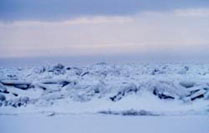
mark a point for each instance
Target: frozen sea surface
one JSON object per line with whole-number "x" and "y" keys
{"x": 105, "y": 98}
{"x": 103, "y": 124}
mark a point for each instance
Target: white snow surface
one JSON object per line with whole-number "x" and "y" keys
{"x": 103, "y": 124}
{"x": 162, "y": 89}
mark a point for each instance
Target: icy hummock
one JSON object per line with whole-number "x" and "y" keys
{"x": 130, "y": 89}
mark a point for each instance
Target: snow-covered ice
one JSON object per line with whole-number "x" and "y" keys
{"x": 105, "y": 98}
{"x": 159, "y": 89}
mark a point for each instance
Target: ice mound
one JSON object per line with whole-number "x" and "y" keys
{"x": 105, "y": 86}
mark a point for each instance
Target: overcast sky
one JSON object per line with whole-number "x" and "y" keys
{"x": 36, "y": 28}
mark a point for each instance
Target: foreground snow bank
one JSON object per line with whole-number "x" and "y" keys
{"x": 156, "y": 89}
{"x": 103, "y": 124}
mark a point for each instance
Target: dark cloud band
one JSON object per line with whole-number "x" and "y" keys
{"x": 64, "y": 9}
